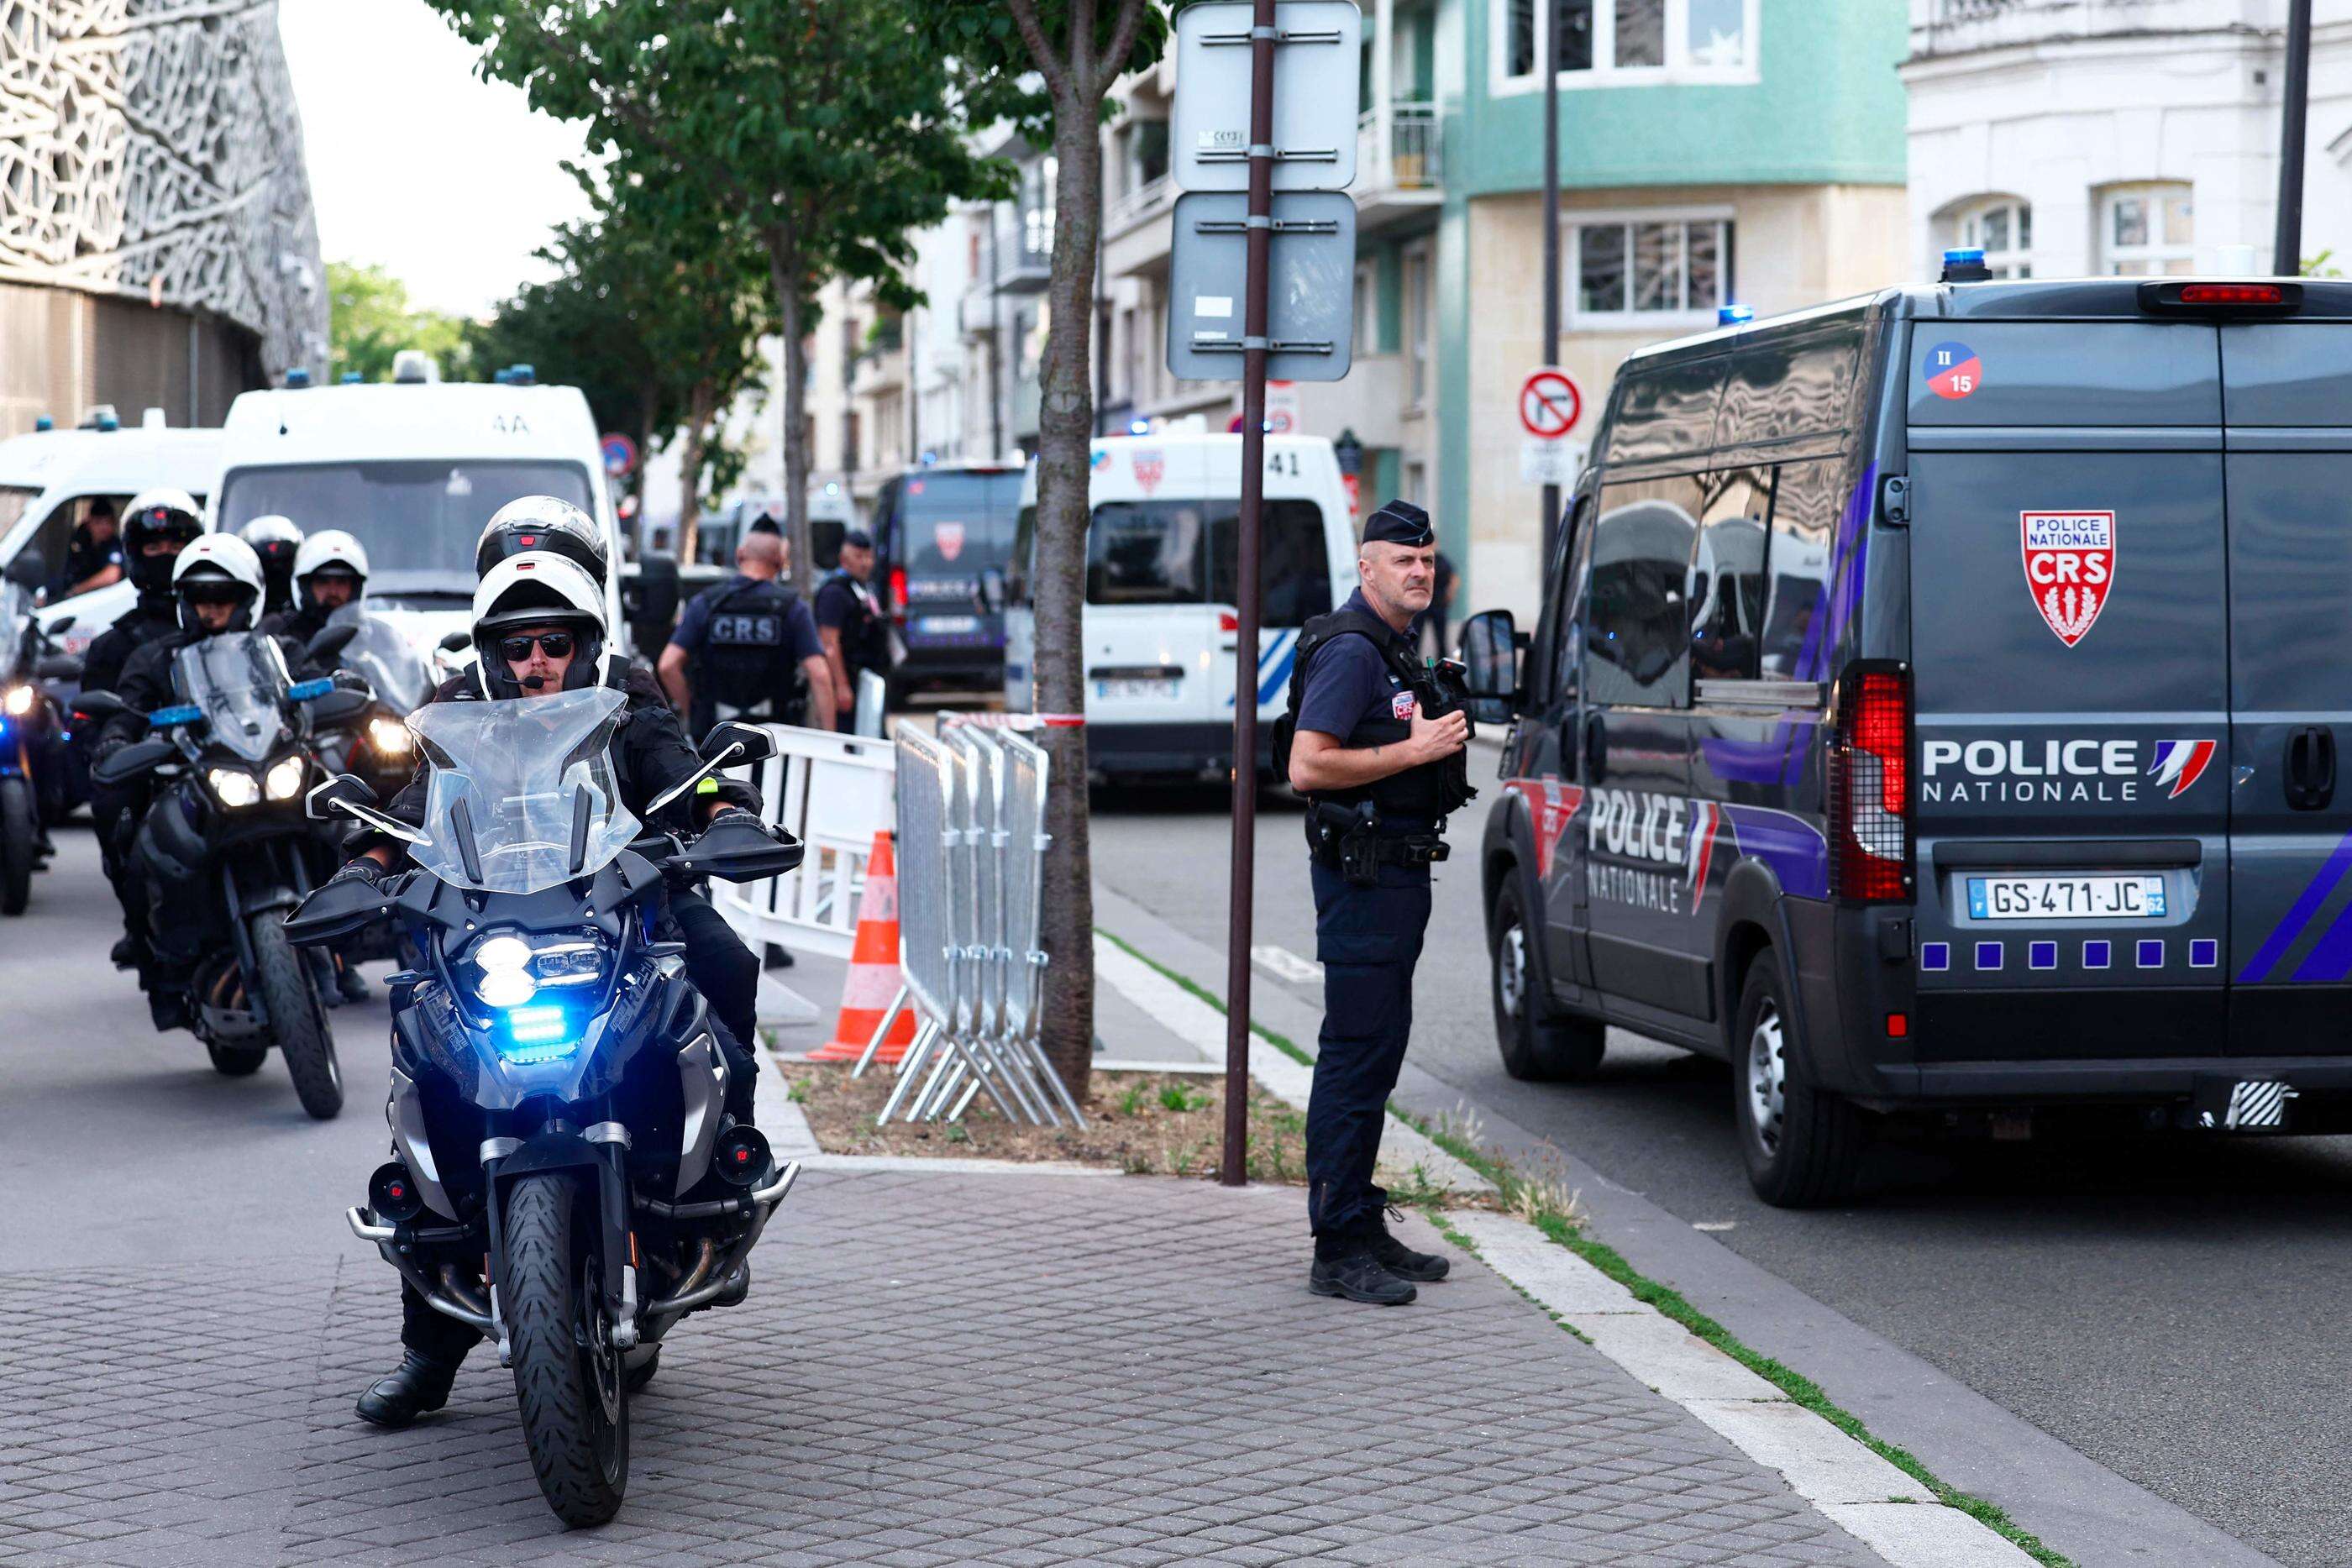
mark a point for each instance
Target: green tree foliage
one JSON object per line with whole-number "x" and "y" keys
{"x": 370, "y": 320}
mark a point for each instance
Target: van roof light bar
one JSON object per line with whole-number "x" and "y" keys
{"x": 1965, "y": 263}
{"x": 2207, "y": 298}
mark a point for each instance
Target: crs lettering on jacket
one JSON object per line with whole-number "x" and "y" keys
{"x": 738, "y": 629}
{"x": 2058, "y": 771}
{"x": 1647, "y": 849}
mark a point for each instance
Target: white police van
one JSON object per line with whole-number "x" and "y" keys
{"x": 412, "y": 469}
{"x": 1162, "y": 616}
{"x": 47, "y": 480}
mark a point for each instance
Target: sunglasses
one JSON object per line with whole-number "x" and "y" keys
{"x": 515, "y": 649}
{"x": 215, "y": 593}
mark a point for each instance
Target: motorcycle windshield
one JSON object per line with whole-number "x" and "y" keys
{"x": 238, "y": 678}
{"x": 388, "y": 659}
{"x": 521, "y": 795}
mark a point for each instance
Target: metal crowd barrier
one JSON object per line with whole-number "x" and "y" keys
{"x": 834, "y": 793}
{"x": 970, "y": 846}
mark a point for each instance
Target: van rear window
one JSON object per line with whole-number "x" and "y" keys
{"x": 2065, "y": 373}
{"x": 1184, "y": 552}
{"x": 952, "y": 524}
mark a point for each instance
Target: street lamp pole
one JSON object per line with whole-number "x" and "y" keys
{"x": 1549, "y": 17}
{"x": 2293, "y": 115}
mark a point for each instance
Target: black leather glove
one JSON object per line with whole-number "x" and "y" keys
{"x": 351, "y": 681}
{"x": 361, "y": 868}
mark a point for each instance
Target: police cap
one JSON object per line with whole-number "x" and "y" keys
{"x": 1400, "y": 523}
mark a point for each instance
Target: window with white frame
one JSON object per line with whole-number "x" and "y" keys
{"x": 2002, "y": 227}
{"x": 2146, "y": 229}
{"x": 1368, "y": 310}
{"x": 1417, "y": 309}
{"x": 1648, "y": 271}
{"x": 1624, "y": 41}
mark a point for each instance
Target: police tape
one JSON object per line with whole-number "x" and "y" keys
{"x": 952, "y": 720}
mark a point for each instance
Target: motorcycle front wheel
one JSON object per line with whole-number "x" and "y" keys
{"x": 568, "y": 1372}
{"x": 20, "y": 843}
{"x": 290, "y": 998}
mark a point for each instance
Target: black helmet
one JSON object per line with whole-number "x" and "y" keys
{"x": 276, "y": 541}
{"x": 543, "y": 523}
{"x": 157, "y": 515}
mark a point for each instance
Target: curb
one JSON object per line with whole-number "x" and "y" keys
{"x": 1865, "y": 1496}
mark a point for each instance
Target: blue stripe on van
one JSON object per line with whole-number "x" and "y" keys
{"x": 1274, "y": 660}
{"x": 2298, "y": 916}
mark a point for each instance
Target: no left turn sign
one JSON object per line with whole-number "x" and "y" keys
{"x": 1549, "y": 404}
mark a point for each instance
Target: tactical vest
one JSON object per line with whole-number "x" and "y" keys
{"x": 742, "y": 668}
{"x": 864, "y": 646}
{"x": 1430, "y": 791}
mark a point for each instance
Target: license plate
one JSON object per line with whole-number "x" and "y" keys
{"x": 945, "y": 624}
{"x": 2139, "y": 897}
{"x": 1136, "y": 689}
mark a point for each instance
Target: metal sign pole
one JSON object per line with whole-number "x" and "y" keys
{"x": 2293, "y": 115}
{"x": 1548, "y": 525}
{"x": 1231, "y": 1171}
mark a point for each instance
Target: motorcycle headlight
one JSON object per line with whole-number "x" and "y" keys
{"x": 284, "y": 779}
{"x": 510, "y": 970}
{"x": 233, "y": 786}
{"x": 389, "y": 736}
{"x": 18, "y": 702}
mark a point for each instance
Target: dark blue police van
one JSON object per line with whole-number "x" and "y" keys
{"x": 1935, "y": 713}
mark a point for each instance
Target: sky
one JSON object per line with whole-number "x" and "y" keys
{"x": 448, "y": 182}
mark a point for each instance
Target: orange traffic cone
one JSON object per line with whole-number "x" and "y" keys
{"x": 873, "y": 980}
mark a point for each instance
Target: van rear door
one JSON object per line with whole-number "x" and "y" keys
{"x": 1299, "y": 520}
{"x": 2070, "y": 650}
{"x": 1148, "y": 627}
{"x": 2289, "y": 467}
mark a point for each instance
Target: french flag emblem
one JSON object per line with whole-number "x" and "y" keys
{"x": 2181, "y": 763}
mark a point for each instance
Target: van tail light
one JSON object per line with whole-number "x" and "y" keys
{"x": 2212, "y": 299}
{"x": 898, "y": 594}
{"x": 1869, "y": 809}
{"x": 1228, "y": 623}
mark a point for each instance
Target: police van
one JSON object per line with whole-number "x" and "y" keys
{"x": 414, "y": 468}
{"x": 1935, "y": 713}
{"x": 1162, "y": 622}
{"x": 48, "y": 479}
{"x": 940, "y": 530}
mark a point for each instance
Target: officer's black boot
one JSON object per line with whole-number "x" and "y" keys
{"x": 418, "y": 1384}
{"x": 353, "y": 984}
{"x": 1401, "y": 1260}
{"x": 127, "y": 954}
{"x": 1347, "y": 1266}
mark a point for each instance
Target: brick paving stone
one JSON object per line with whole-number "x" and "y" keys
{"x": 932, "y": 1370}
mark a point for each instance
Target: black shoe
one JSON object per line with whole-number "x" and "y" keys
{"x": 1401, "y": 1261}
{"x": 168, "y": 1007}
{"x": 127, "y": 954}
{"x": 776, "y": 957}
{"x": 417, "y": 1386}
{"x": 1359, "y": 1276}
{"x": 353, "y": 984}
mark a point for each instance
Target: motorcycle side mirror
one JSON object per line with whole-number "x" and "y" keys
{"x": 61, "y": 626}
{"x": 99, "y": 704}
{"x": 751, "y": 743}
{"x": 457, "y": 642}
{"x": 1490, "y": 656}
{"x": 329, "y": 643}
{"x": 28, "y": 570}
{"x": 58, "y": 667}
{"x": 324, "y": 801}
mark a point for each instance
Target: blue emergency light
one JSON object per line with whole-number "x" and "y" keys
{"x": 1965, "y": 263}
{"x": 1733, "y": 315}
{"x": 296, "y": 378}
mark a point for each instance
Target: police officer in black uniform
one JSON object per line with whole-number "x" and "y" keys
{"x": 161, "y": 523}
{"x": 276, "y": 539}
{"x": 741, "y": 647}
{"x": 93, "y": 551}
{"x": 1375, "y": 739}
{"x": 857, "y": 637}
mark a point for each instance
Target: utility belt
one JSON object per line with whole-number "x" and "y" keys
{"x": 1349, "y": 840}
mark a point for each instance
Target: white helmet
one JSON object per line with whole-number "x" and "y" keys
{"x": 214, "y": 563}
{"x": 330, "y": 549}
{"x": 537, "y": 589}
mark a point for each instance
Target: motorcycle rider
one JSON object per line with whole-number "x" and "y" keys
{"x": 539, "y": 627}
{"x": 330, "y": 570}
{"x": 276, "y": 540}
{"x": 158, "y": 526}
{"x": 217, "y": 583}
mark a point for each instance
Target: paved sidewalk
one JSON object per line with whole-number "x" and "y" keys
{"x": 931, "y": 1369}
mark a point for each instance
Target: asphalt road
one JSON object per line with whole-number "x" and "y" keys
{"x": 2172, "y": 1309}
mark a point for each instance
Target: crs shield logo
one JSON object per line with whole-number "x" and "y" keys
{"x": 1150, "y": 467}
{"x": 2070, "y": 568}
{"x": 948, "y": 537}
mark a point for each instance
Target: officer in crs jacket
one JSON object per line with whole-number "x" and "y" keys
{"x": 741, "y": 647}
{"x": 1377, "y": 748}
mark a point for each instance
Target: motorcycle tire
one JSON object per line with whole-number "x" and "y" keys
{"x": 291, "y": 999}
{"x": 20, "y": 844}
{"x": 568, "y": 1373}
{"x": 236, "y": 1061}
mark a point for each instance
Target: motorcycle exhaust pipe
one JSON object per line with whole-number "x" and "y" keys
{"x": 392, "y": 1192}
{"x": 741, "y": 1156}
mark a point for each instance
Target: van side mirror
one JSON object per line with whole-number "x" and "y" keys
{"x": 28, "y": 570}
{"x": 1490, "y": 655}
{"x": 992, "y": 590}
{"x": 754, "y": 743}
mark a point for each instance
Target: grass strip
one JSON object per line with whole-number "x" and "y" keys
{"x": 1564, "y": 1230}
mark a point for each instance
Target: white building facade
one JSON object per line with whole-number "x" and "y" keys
{"x": 2077, "y": 138}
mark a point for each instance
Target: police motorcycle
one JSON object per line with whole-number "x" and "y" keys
{"x": 557, "y": 1103}
{"x": 232, "y": 759}
{"x": 35, "y": 788}
{"x": 377, "y": 744}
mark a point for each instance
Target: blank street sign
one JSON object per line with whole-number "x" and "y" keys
{"x": 1310, "y": 289}
{"x": 1315, "y": 82}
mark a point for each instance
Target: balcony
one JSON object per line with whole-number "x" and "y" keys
{"x": 1944, "y": 27}
{"x": 1133, "y": 207}
{"x": 1024, "y": 253}
{"x": 1398, "y": 174}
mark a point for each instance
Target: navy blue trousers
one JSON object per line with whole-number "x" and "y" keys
{"x": 1368, "y": 940}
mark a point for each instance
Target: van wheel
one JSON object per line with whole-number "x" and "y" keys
{"x": 1801, "y": 1144}
{"x": 1538, "y": 1044}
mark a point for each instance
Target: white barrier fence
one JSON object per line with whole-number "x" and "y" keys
{"x": 834, "y": 792}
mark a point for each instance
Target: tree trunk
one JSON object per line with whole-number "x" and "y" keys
{"x": 702, "y": 404}
{"x": 1065, "y": 432}
{"x": 785, "y": 275}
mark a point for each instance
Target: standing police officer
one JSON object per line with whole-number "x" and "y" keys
{"x": 1377, "y": 748}
{"x": 739, "y": 645}
{"x": 857, "y": 638}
